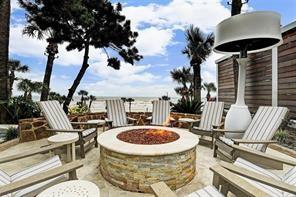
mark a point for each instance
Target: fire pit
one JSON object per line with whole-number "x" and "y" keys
{"x": 148, "y": 136}
{"x": 133, "y": 158}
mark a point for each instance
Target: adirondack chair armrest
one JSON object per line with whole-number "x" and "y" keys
{"x": 85, "y": 123}
{"x": 218, "y": 126}
{"x": 259, "y": 177}
{"x": 131, "y": 119}
{"x": 149, "y": 118}
{"x": 42, "y": 149}
{"x": 172, "y": 119}
{"x": 40, "y": 177}
{"x": 222, "y": 131}
{"x": 244, "y": 150}
{"x": 161, "y": 189}
{"x": 66, "y": 130}
{"x": 245, "y": 141}
{"x": 108, "y": 120}
{"x": 224, "y": 177}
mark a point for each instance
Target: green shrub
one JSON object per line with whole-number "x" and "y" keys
{"x": 11, "y": 133}
{"x": 21, "y": 108}
{"x": 281, "y": 135}
{"x": 187, "y": 106}
{"x": 78, "y": 109}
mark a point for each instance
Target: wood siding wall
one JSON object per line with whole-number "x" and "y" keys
{"x": 259, "y": 77}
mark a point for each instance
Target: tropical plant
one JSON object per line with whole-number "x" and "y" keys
{"x": 199, "y": 47}
{"x": 123, "y": 99}
{"x": 209, "y": 87}
{"x": 78, "y": 109}
{"x": 4, "y": 43}
{"x": 11, "y": 133}
{"x": 37, "y": 30}
{"x": 20, "y": 108}
{"x": 91, "y": 99}
{"x": 56, "y": 96}
{"x": 85, "y": 24}
{"x": 281, "y": 135}
{"x": 13, "y": 67}
{"x": 187, "y": 106}
{"x": 29, "y": 87}
{"x": 130, "y": 100}
{"x": 183, "y": 77}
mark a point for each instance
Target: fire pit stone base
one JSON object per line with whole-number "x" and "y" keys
{"x": 137, "y": 173}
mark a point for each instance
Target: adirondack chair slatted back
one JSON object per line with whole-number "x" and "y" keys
{"x": 116, "y": 112}
{"x": 264, "y": 125}
{"x": 55, "y": 115}
{"x": 160, "y": 112}
{"x": 211, "y": 115}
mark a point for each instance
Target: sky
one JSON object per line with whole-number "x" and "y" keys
{"x": 161, "y": 26}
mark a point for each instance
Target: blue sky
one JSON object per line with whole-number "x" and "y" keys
{"x": 161, "y": 26}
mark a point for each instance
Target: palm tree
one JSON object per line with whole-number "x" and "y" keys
{"x": 33, "y": 30}
{"x": 199, "y": 47}
{"x": 130, "y": 100}
{"x": 184, "y": 77}
{"x": 56, "y": 96}
{"x": 84, "y": 98}
{"x": 91, "y": 99}
{"x": 165, "y": 98}
{"x": 29, "y": 87}
{"x": 14, "y": 66}
{"x": 209, "y": 87}
{"x": 24, "y": 86}
{"x": 4, "y": 43}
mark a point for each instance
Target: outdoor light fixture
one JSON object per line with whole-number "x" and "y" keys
{"x": 242, "y": 34}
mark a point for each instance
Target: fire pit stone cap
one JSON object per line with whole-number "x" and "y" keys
{"x": 110, "y": 141}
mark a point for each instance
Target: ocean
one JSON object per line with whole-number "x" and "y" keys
{"x": 141, "y": 104}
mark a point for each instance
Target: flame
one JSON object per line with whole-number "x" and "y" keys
{"x": 158, "y": 132}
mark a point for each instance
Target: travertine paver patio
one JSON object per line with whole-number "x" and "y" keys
{"x": 90, "y": 170}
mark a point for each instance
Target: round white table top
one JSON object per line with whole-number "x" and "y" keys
{"x": 187, "y": 120}
{"x": 76, "y": 188}
{"x": 99, "y": 122}
{"x": 63, "y": 138}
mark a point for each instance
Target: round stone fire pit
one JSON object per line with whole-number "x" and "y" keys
{"x": 133, "y": 158}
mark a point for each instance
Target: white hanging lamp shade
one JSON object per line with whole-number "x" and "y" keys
{"x": 259, "y": 30}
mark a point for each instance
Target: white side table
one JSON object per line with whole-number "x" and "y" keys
{"x": 74, "y": 188}
{"x": 68, "y": 139}
{"x": 99, "y": 123}
{"x": 190, "y": 121}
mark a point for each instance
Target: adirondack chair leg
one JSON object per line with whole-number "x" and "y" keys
{"x": 96, "y": 141}
{"x": 215, "y": 149}
{"x": 81, "y": 143}
{"x": 73, "y": 175}
{"x": 212, "y": 145}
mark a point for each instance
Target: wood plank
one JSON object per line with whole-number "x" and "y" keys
{"x": 40, "y": 177}
{"x": 161, "y": 189}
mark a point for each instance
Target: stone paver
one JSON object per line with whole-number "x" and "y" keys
{"x": 90, "y": 170}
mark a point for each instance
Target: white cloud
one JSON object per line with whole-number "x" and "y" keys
{"x": 153, "y": 41}
{"x": 178, "y": 14}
